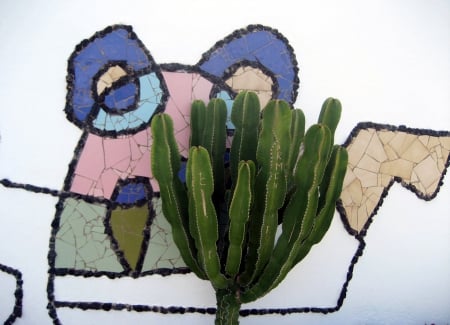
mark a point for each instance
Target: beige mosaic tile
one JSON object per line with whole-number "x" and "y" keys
{"x": 250, "y": 78}
{"x": 379, "y": 156}
{"x": 106, "y": 80}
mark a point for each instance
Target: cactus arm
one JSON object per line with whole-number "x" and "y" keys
{"x": 214, "y": 140}
{"x": 270, "y": 186}
{"x": 275, "y": 126}
{"x": 309, "y": 173}
{"x": 332, "y": 182}
{"x": 330, "y": 114}
{"x": 245, "y": 117}
{"x": 296, "y": 139}
{"x": 317, "y": 171}
{"x": 198, "y": 112}
{"x": 299, "y": 213}
{"x": 165, "y": 167}
{"x": 202, "y": 214}
{"x": 239, "y": 215}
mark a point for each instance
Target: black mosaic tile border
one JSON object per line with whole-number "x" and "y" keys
{"x": 54, "y": 304}
{"x": 18, "y": 293}
{"x": 211, "y": 310}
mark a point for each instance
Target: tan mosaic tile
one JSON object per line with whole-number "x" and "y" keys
{"x": 250, "y": 78}
{"x": 356, "y": 151}
{"x": 106, "y": 80}
{"x": 378, "y": 157}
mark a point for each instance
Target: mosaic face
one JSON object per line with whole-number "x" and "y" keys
{"x": 108, "y": 219}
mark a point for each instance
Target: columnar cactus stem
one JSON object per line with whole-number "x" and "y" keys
{"x": 240, "y": 208}
{"x": 228, "y": 306}
{"x": 224, "y": 223}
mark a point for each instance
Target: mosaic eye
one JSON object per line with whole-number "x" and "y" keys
{"x": 116, "y": 91}
{"x": 114, "y": 86}
{"x": 121, "y": 99}
{"x": 107, "y": 79}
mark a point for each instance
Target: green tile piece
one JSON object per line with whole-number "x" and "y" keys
{"x": 128, "y": 225}
{"x": 81, "y": 242}
{"x": 162, "y": 251}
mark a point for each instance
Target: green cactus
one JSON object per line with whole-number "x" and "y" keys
{"x": 225, "y": 221}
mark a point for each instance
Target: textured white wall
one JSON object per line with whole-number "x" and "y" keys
{"x": 387, "y": 61}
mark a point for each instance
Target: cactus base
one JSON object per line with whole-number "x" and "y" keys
{"x": 228, "y": 306}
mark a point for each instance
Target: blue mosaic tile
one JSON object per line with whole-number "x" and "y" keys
{"x": 131, "y": 193}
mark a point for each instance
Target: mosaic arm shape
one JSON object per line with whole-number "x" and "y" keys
{"x": 254, "y": 262}
{"x": 379, "y": 156}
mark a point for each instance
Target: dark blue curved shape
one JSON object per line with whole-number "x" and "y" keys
{"x": 260, "y": 46}
{"x": 131, "y": 193}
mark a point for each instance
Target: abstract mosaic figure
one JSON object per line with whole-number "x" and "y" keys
{"x": 111, "y": 223}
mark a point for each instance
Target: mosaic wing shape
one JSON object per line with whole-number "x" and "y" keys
{"x": 379, "y": 156}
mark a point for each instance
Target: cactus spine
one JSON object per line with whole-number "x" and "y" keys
{"x": 224, "y": 223}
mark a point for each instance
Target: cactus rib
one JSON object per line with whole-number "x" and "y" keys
{"x": 239, "y": 215}
{"x": 245, "y": 117}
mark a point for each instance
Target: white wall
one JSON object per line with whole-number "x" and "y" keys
{"x": 387, "y": 61}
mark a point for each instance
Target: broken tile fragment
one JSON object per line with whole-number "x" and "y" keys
{"x": 128, "y": 227}
{"x": 252, "y": 79}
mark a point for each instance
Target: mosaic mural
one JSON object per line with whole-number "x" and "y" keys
{"x": 108, "y": 219}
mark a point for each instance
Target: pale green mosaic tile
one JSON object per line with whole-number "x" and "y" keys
{"x": 81, "y": 242}
{"x": 162, "y": 251}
